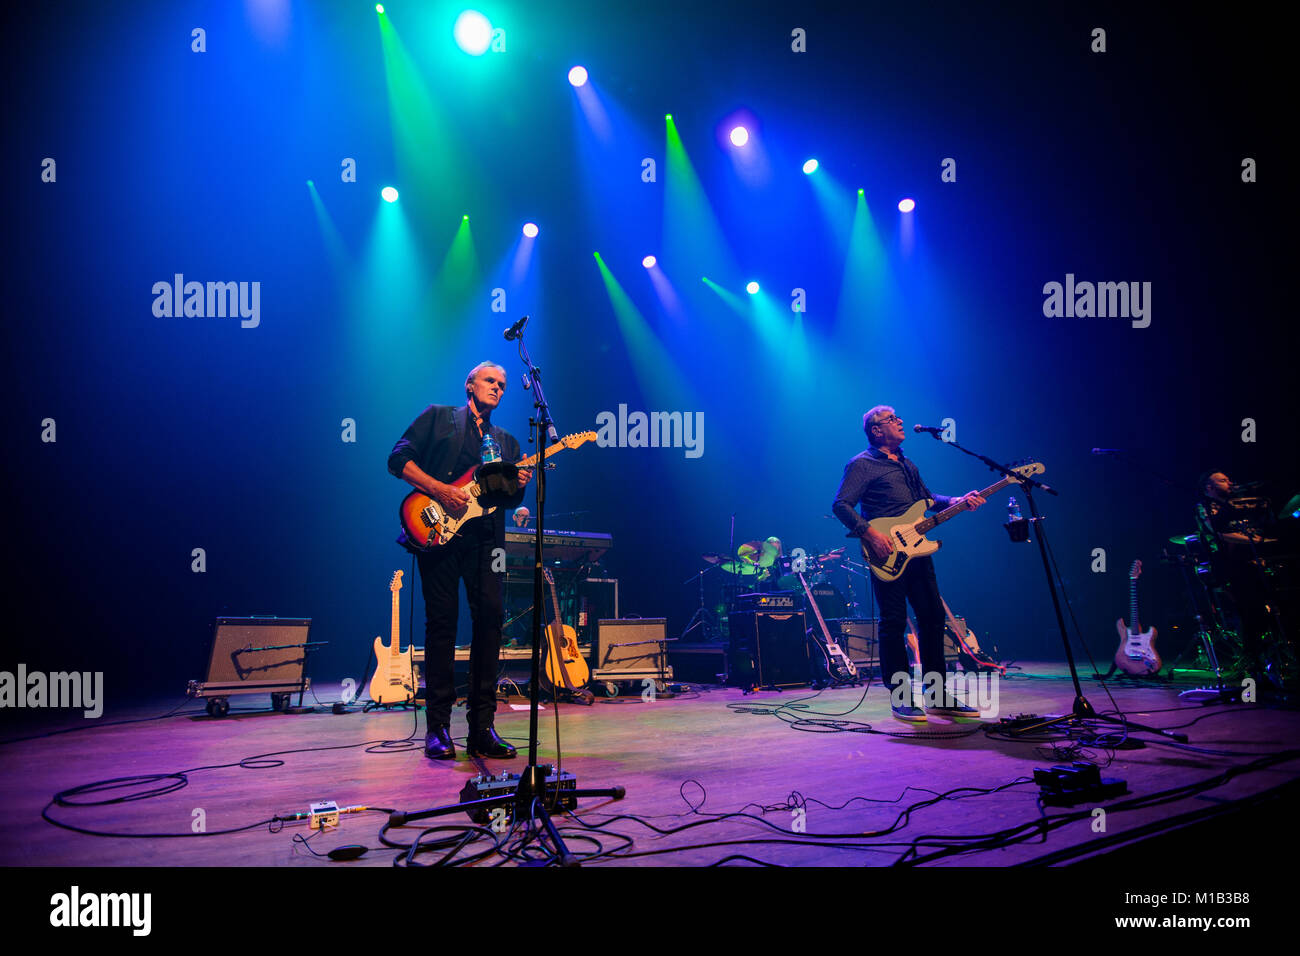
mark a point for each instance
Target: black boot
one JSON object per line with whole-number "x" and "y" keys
{"x": 486, "y": 743}
{"x": 438, "y": 745}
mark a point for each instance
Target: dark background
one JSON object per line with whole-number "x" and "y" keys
{"x": 177, "y": 433}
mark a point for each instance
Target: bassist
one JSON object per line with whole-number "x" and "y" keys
{"x": 883, "y": 482}
{"x": 440, "y": 445}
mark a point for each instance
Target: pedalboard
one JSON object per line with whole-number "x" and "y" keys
{"x": 558, "y": 789}
{"x": 1067, "y": 784}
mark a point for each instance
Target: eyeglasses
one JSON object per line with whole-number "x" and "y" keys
{"x": 888, "y": 421}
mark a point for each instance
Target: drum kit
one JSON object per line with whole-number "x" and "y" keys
{"x": 761, "y": 569}
{"x": 1207, "y": 587}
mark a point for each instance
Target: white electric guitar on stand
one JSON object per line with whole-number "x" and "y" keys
{"x": 394, "y": 680}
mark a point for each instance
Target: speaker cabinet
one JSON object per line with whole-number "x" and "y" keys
{"x": 768, "y": 649}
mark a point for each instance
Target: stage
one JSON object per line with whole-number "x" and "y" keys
{"x": 795, "y": 778}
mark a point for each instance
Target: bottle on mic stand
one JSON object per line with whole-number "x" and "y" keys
{"x": 1017, "y": 527}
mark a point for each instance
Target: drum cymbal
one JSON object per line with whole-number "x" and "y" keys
{"x": 1180, "y": 540}
{"x": 738, "y": 567}
{"x": 712, "y": 557}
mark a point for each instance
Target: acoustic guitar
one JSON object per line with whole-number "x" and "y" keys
{"x": 565, "y": 667}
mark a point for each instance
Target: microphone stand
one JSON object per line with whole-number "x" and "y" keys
{"x": 529, "y": 798}
{"x": 1082, "y": 709}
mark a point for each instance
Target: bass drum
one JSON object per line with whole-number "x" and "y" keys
{"x": 829, "y": 601}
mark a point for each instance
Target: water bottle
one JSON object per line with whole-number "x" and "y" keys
{"x": 1013, "y": 510}
{"x": 491, "y": 450}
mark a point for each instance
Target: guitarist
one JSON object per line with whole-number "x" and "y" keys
{"x": 884, "y": 482}
{"x": 441, "y": 445}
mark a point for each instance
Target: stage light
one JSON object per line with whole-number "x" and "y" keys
{"x": 465, "y": 218}
{"x": 578, "y": 75}
{"x": 473, "y": 32}
{"x": 389, "y": 194}
{"x": 810, "y": 167}
{"x": 907, "y": 205}
{"x": 668, "y": 116}
{"x": 379, "y": 8}
{"x": 530, "y": 230}
{"x": 649, "y": 262}
{"x": 862, "y": 192}
{"x": 310, "y": 183}
{"x": 752, "y": 288}
{"x": 739, "y": 136}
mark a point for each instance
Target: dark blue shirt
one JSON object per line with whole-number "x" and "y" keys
{"x": 882, "y": 487}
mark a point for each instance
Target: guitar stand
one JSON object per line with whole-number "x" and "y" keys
{"x": 534, "y": 794}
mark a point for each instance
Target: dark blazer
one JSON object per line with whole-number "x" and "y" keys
{"x": 434, "y": 440}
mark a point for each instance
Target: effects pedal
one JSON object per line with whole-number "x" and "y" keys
{"x": 558, "y": 791}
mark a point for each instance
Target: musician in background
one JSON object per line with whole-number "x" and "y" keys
{"x": 521, "y": 517}
{"x": 764, "y": 557}
{"x": 883, "y": 482}
{"x": 1233, "y": 559}
{"x": 441, "y": 445}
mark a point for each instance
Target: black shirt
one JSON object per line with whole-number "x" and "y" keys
{"x": 882, "y": 487}
{"x": 445, "y": 443}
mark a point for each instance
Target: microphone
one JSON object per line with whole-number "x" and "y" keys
{"x": 927, "y": 428}
{"x": 1105, "y": 451}
{"x": 513, "y": 332}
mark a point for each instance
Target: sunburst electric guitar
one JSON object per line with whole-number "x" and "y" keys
{"x": 1137, "y": 648}
{"x": 394, "y": 680}
{"x": 428, "y": 525}
{"x": 906, "y": 532}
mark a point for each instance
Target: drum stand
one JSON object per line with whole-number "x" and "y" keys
{"x": 703, "y": 617}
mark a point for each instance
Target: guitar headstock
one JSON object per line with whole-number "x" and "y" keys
{"x": 396, "y": 583}
{"x": 577, "y": 438}
{"x": 1027, "y": 469}
{"x": 1135, "y": 571}
{"x": 546, "y": 572}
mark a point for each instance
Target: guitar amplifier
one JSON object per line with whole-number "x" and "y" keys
{"x": 858, "y": 639}
{"x": 769, "y": 649}
{"x": 773, "y": 600}
{"x": 255, "y": 655}
{"x": 631, "y": 648}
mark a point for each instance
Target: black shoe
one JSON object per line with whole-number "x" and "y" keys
{"x": 438, "y": 745}
{"x": 486, "y": 743}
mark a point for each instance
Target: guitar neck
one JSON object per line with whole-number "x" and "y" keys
{"x": 531, "y": 460}
{"x": 1133, "y": 626}
{"x": 395, "y": 630}
{"x": 955, "y": 510}
{"x": 817, "y": 611}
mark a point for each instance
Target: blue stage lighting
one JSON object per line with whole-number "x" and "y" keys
{"x": 578, "y": 75}
{"x": 389, "y": 194}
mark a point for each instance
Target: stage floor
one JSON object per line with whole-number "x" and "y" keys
{"x": 833, "y": 790}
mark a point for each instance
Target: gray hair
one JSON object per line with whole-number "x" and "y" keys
{"x": 873, "y": 418}
{"x": 473, "y": 373}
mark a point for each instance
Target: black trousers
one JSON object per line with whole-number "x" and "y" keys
{"x": 466, "y": 558}
{"x": 919, "y": 586}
